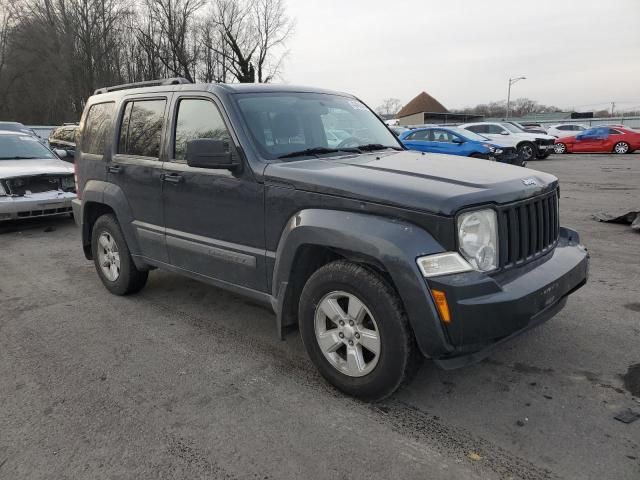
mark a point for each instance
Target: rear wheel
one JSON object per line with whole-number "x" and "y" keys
{"x": 112, "y": 258}
{"x": 560, "y": 148}
{"x": 355, "y": 331}
{"x": 621, "y": 147}
{"x": 527, "y": 151}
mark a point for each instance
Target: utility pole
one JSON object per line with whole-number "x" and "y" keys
{"x": 511, "y": 82}
{"x": 613, "y": 105}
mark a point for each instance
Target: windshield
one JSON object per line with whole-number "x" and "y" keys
{"x": 468, "y": 134}
{"x": 290, "y": 124}
{"x": 17, "y": 147}
{"x": 512, "y": 128}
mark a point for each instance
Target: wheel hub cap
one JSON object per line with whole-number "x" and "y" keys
{"x": 347, "y": 334}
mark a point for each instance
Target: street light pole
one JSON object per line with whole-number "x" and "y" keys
{"x": 511, "y": 82}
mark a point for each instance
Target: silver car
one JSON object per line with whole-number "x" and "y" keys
{"x": 34, "y": 182}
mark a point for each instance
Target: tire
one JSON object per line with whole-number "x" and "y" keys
{"x": 621, "y": 148}
{"x": 527, "y": 151}
{"x": 120, "y": 277}
{"x": 376, "y": 375}
{"x": 560, "y": 148}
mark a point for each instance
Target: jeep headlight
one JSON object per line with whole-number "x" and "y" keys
{"x": 478, "y": 238}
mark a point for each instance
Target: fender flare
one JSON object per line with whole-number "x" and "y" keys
{"x": 392, "y": 243}
{"x": 112, "y": 196}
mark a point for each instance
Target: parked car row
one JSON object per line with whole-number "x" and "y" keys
{"x": 501, "y": 141}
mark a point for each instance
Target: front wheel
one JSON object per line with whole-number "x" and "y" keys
{"x": 560, "y": 148}
{"x": 355, "y": 331}
{"x": 621, "y": 147}
{"x": 112, "y": 258}
{"x": 527, "y": 151}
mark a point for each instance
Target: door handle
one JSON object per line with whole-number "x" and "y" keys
{"x": 114, "y": 168}
{"x": 172, "y": 177}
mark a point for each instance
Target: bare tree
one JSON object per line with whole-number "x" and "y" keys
{"x": 272, "y": 28}
{"x": 390, "y": 106}
{"x": 172, "y": 23}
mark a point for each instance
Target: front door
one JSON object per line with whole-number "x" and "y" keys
{"x": 214, "y": 218}
{"x": 136, "y": 169}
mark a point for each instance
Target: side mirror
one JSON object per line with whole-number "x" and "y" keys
{"x": 579, "y": 137}
{"x": 457, "y": 140}
{"x": 210, "y": 153}
{"x": 504, "y": 132}
{"x": 60, "y": 152}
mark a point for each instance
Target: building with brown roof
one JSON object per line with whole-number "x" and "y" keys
{"x": 425, "y": 109}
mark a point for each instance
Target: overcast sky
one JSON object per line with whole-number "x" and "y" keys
{"x": 574, "y": 53}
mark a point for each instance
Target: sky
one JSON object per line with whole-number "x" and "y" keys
{"x": 580, "y": 54}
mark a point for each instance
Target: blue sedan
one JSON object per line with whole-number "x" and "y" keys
{"x": 457, "y": 141}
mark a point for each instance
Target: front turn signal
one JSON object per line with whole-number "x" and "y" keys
{"x": 441, "y": 304}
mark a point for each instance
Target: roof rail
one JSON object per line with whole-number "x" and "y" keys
{"x": 149, "y": 83}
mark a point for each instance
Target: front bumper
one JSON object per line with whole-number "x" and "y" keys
{"x": 487, "y": 310}
{"x": 42, "y": 204}
{"x": 510, "y": 156}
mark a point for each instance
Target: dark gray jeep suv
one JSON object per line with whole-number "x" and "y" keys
{"x": 304, "y": 200}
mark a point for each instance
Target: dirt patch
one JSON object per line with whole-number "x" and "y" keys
{"x": 632, "y": 379}
{"x": 524, "y": 368}
{"x": 634, "y": 307}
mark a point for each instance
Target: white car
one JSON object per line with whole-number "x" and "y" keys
{"x": 34, "y": 182}
{"x": 566, "y": 129}
{"x": 529, "y": 145}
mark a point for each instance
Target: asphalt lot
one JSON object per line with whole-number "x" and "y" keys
{"x": 187, "y": 381}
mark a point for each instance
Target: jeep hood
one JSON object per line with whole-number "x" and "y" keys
{"x": 30, "y": 167}
{"x": 435, "y": 183}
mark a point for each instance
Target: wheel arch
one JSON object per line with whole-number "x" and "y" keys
{"x": 100, "y": 198}
{"x": 315, "y": 237}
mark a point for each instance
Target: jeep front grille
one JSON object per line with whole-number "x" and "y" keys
{"x": 528, "y": 229}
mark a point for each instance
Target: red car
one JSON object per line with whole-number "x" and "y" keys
{"x": 602, "y": 139}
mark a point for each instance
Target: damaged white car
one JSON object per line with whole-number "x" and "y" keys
{"x": 34, "y": 182}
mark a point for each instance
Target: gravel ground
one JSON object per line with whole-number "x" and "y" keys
{"x": 187, "y": 381}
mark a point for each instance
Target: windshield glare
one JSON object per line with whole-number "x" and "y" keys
{"x": 512, "y": 128}
{"x": 22, "y": 146}
{"x": 283, "y": 123}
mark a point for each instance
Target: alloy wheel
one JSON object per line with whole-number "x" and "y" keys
{"x": 108, "y": 256}
{"x": 527, "y": 152}
{"x": 621, "y": 147}
{"x": 347, "y": 333}
{"x": 560, "y": 148}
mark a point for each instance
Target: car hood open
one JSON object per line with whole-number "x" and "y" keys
{"x": 436, "y": 183}
{"x": 30, "y": 167}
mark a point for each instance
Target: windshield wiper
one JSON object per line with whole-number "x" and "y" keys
{"x": 18, "y": 158}
{"x": 318, "y": 151}
{"x": 370, "y": 147}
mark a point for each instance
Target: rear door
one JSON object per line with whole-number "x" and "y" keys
{"x": 136, "y": 168}
{"x": 214, "y": 217}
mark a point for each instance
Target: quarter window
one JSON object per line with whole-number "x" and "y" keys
{"x": 141, "y": 128}
{"x": 197, "y": 118}
{"x": 97, "y": 126}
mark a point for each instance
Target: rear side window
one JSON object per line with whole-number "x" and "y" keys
{"x": 197, "y": 118}
{"x": 479, "y": 128}
{"x": 97, "y": 127}
{"x": 141, "y": 128}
